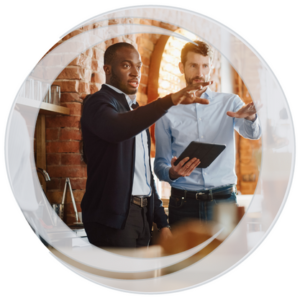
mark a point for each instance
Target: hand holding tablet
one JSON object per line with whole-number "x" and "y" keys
{"x": 196, "y": 155}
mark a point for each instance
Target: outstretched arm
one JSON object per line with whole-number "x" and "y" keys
{"x": 245, "y": 119}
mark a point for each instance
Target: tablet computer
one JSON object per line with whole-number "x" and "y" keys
{"x": 205, "y": 152}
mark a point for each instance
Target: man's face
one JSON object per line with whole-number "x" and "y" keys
{"x": 126, "y": 70}
{"x": 197, "y": 68}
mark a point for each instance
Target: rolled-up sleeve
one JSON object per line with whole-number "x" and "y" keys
{"x": 246, "y": 128}
{"x": 163, "y": 156}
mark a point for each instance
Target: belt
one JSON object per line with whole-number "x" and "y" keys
{"x": 140, "y": 201}
{"x": 205, "y": 195}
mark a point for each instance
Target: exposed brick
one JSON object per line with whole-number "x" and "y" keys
{"x": 102, "y": 46}
{"x": 81, "y": 60}
{"x": 144, "y": 79}
{"x": 67, "y": 86}
{"x": 154, "y": 38}
{"x": 62, "y": 121}
{"x": 146, "y": 43}
{"x": 53, "y": 184}
{"x": 69, "y": 205}
{"x": 82, "y": 96}
{"x": 108, "y": 43}
{"x": 145, "y": 60}
{"x": 89, "y": 52}
{"x": 52, "y": 134}
{"x": 144, "y": 52}
{"x": 98, "y": 77}
{"x": 70, "y": 134}
{"x": 78, "y": 195}
{"x": 168, "y": 26}
{"x": 116, "y": 21}
{"x": 88, "y": 27}
{"x": 146, "y": 22}
{"x": 131, "y": 37}
{"x": 71, "y": 159}
{"x": 143, "y": 89}
{"x": 71, "y": 34}
{"x": 84, "y": 87}
{"x": 145, "y": 36}
{"x": 129, "y": 20}
{"x": 86, "y": 74}
{"x": 97, "y": 53}
{"x": 67, "y": 171}
{"x": 118, "y": 39}
{"x": 75, "y": 108}
{"x": 62, "y": 147}
{"x": 134, "y": 44}
{"x": 94, "y": 87}
{"x": 70, "y": 73}
{"x": 101, "y": 24}
{"x": 156, "y": 23}
{"x": 145, "y": 70}
{"x": 70, "y": 97}
{"x": 78, "y": 183}
{"x": 54, "y": 196}
{"x": 53, "y": 159}
{"x": 126, "y": 40}
{"x": 95, "y": 65}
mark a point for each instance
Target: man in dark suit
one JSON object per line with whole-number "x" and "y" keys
{"x": 121, "y": 202}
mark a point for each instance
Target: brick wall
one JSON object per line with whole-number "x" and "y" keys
{"x": 247, "y": 169}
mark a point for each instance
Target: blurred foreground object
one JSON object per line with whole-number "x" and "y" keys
{"x": 188, "y": 235}
{"x": 191, "y": 233}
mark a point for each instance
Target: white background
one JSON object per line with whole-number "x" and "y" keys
{"x": 28, "y": 30}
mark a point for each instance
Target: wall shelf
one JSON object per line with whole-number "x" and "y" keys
{"x": 45, "y": 108}
{"x": 50, "y": 109}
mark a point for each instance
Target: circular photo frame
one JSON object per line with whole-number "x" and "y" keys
{"x": 43, "y": 137}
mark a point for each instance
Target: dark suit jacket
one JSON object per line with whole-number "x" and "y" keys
{"x": 109, "y": 128}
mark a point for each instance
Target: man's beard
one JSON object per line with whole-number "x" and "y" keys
{"x": 189, "y": 81}
{"x": 116, "y": 82}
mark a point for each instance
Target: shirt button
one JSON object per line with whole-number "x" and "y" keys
{"x": 199, "y": 119}
{"x": 201, "y": 136}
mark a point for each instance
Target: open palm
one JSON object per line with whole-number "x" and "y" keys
{"x": 245, "y": 112}
{"x": 191, "y": 94}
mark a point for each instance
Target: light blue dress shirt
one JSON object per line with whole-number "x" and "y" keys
{"x": 202, "y": 123}
{"x": 141, "y": 180}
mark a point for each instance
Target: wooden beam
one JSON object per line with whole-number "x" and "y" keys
{"x": 41, "y": 147}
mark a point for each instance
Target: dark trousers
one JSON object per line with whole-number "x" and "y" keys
{"x": 135, "y": 234}
{"x": 183, "y": 209}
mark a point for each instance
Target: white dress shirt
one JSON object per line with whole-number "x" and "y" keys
{"x": 141, "y": 181}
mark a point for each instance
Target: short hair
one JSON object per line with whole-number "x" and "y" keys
{"x": 201, "y": 48}
{"x": 110, "y": 52}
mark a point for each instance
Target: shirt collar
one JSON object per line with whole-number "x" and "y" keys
{"x": 130, "y": 101}
{"x": 208, "y": 93}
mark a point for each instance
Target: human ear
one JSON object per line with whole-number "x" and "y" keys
{"x": 107, "y": 69}
{"x": 181, "y": 67}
